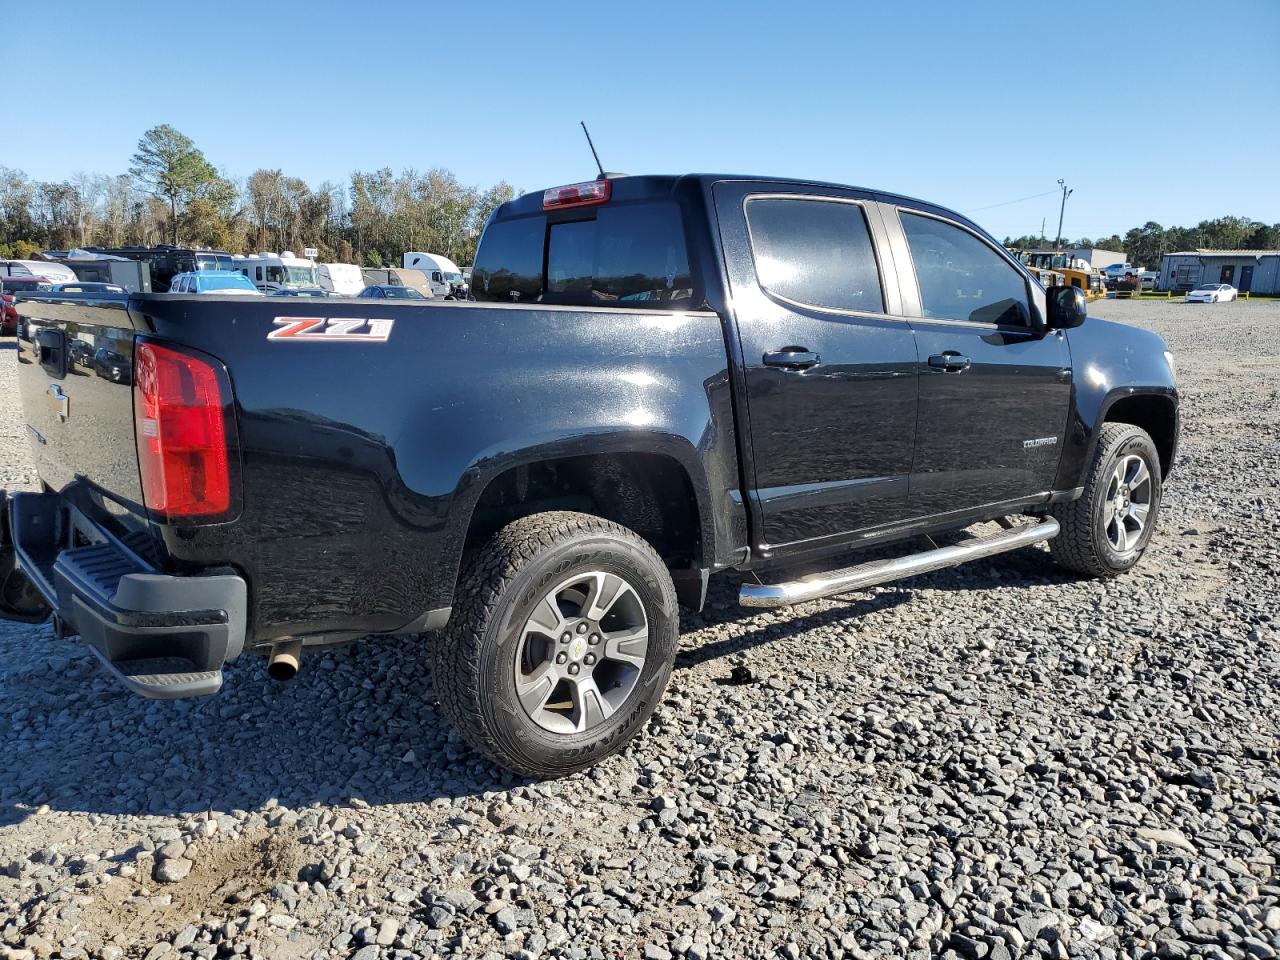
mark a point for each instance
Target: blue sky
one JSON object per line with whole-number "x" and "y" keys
{"x": 948, "y": 101}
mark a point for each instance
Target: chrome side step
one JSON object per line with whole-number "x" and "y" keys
{"x": 875, "y": 572}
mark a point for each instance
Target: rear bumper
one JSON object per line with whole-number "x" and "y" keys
{"x": 160, "y": 636}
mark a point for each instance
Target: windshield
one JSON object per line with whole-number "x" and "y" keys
{"x": 453, "y": 277}
{"x": 403, "y": 293}
{"x": 300, "y": 276}
{"x": 213, "y": 261}
{"x": 226, "y": 283}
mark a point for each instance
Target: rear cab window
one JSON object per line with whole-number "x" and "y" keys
{"x": 629, "y": 254}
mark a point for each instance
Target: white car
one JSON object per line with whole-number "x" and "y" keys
{"x": 1211, "y": 293}
{"x": 1116, "y": 271}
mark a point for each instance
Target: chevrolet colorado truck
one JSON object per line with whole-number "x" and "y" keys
{"x": 659, "y": 378}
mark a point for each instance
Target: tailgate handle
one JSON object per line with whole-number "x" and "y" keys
{"x": 61, "y": 402}
{"x": 52, "y": 344}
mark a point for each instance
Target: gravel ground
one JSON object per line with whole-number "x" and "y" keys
{"x": 993, "y": 761}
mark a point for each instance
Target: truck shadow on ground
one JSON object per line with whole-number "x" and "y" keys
{"x": 359, "y": 722}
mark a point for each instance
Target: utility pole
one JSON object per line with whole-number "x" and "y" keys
{"x": 1042, "y": 220}
{"x": 1057, "y": 244}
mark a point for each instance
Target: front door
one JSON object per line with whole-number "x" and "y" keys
{"x": 995, "y": 388}
{"x": 1246, "y": 279}
{"x": 830, "y": 370}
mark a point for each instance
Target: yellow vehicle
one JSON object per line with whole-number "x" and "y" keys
{"x": 1073, "y": 271}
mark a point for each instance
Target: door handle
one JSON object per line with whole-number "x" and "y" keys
{"x": 949, "y": 362}
{"x": 792, "y": 358}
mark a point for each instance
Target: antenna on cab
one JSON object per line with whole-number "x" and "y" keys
{"x": 599, "y": 165}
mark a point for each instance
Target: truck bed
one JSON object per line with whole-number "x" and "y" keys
{"x": 361, "y": 455}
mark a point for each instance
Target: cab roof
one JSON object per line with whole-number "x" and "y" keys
{"x": 656, "y": 186}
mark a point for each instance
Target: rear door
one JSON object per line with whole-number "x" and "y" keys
{"x": 829, "y": 363}
{"x": 995, "y": 386}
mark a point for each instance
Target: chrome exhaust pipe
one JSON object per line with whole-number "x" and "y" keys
{"x": 285, "y": 657}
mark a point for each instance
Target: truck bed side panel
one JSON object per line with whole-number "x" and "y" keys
{"x": 363, "y": 459}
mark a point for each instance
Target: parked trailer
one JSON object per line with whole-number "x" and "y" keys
{"x": 277, "y": 271}
{"x": 55, "y": 272}
{"x": 345, "y": 279}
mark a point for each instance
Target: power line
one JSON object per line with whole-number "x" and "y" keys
{"x": 1007, "y": 203}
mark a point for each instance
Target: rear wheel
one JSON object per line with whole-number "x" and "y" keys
{"x": 1107, "y": 529}
{"x": 560, "y": 645}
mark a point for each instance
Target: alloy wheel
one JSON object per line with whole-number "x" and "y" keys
{"x": 1128, "y": 503}
{"x": 581, "y": 652}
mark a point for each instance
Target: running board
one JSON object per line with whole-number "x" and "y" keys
{"x": 876, "y": 572}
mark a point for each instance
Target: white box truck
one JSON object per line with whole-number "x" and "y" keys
{"x": 444, "y": 274}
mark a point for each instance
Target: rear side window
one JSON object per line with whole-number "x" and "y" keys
{"x": 961, "y": 278}
{"x": 815, "y": 253}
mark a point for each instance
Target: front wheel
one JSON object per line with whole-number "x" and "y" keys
{"x": 1107, "y": 529}
{"x": 560, "y": 645}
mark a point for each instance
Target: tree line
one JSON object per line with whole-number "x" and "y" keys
{"x": 1145, "y": 245}
{"x": 172, "y": 193}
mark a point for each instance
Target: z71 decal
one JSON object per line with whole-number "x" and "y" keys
{"x": 331, "y": 329}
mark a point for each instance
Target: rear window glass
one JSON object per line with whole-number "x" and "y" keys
{"x": 626, "y": 255}
{"x": 814, "y": 252}
{"x": 508, "y": 266}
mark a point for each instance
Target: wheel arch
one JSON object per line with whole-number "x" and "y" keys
{"x": 1156, "y": 412}
{"x": 652, "y": 484}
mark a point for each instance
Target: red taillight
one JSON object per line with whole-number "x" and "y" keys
{"x": 576, "y": 195}
{"x": 185, "y": 434}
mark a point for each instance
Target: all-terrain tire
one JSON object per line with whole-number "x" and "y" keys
{"x": 1083, "y": 545}
{"x": 475, "y": 657}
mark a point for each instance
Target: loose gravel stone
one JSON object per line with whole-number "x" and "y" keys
{"x": 171, "y": 870}
{"x": 994, "y": 761}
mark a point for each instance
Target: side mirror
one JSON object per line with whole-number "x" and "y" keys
{"x": 1067, "y": 307}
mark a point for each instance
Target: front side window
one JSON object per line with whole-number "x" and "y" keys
{"x": 816, "y": 253}
{"x": 275, "y": 274}
{"x": 961, "y": 278}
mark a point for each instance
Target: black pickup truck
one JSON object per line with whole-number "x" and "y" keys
{"x": 660, "y": 378}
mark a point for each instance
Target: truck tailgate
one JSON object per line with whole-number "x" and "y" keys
{"x": 75, "y": 377}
